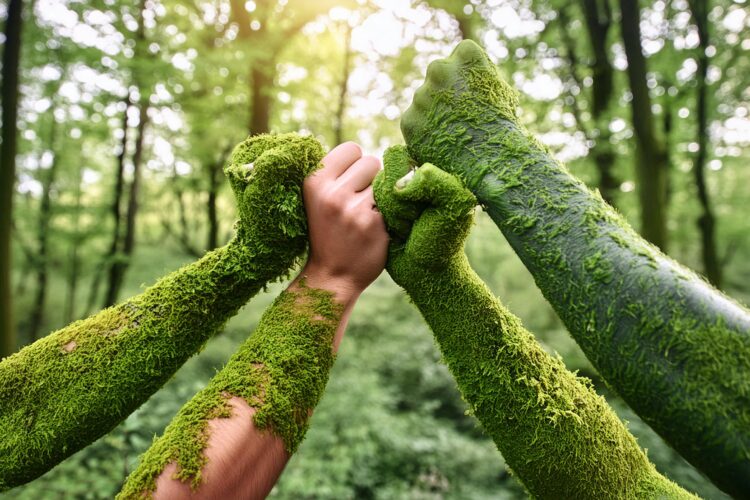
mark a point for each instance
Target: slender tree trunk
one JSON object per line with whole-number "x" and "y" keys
{"x": 113, "y": 255}
{"x": 653, "y": 162}
{"x": 261, "y": 81}
{"x": 120, "y": 267}
{"x": 75, "y": 262}
{"x": 338, "y": 124}
{"x": 9, "y": 95}
{"x": 45, "y": 218}
{"x": 214, "y": 180}
{"x": 706, "y": 221}
{"x": 598, "y": 14}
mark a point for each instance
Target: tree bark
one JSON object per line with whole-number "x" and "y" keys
{"x": 706, "y": 221}
{"x": 43, "y": 227}
{"x": 122, "y": 263}
{"x": 261, "y": 76}
{"x": 653, "y": 162}
{"x": 598, "y": 14}
{"x": 9, "y": 95}
{"x": 338, "y": 126}
{"x": 114, "y": 248}
{"x": 75, "y": 261}
{"x": 214, "y": 182}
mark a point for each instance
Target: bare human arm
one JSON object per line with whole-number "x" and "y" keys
{"x": 235, "y": 437}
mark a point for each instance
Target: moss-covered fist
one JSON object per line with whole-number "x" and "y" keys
{"x": 448, "y": 118}
{"x": 428, "y": 213}
{"x": 266, "y": 173}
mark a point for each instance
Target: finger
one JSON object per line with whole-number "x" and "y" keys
{"x": 340, "y": 159}
{"x": 397, "y": 163}
{"x": 365, "y": 199}
{"x": 361, "y": 174}
{"x": 429, "y": 184}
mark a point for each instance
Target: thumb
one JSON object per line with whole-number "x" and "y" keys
{"x": 440, "y": 231}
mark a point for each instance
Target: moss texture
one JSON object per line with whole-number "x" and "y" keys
{"x": 560, "y": 438}
{"x": 68, "y": 389}
{"x": 677, "y": 350}
{"x": 281, "y": 371}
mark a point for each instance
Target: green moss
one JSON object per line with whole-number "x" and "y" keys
{"x": 68, "y": 389}
{"x": 560, "y": 438}
{"x": 281, "y": 371}
{"x": 689, "y": 388}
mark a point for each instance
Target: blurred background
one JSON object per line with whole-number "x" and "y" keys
{"x": 118, "y": 115}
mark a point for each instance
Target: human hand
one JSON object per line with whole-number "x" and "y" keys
{"x": 428, "y": 213}
{"x": 266, "y": 173}
{"x": 348, "y": 240}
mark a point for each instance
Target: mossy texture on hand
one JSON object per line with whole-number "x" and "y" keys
{"x": 281, "y": 371}
{"x": 560, "y": 438}
{"x": 68, "y": 389}
{"x": 677, "y": 350}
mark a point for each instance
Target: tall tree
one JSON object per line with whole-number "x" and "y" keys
{"x": 652, "y": 167}
{"x": 43, "y": 230}
{"x": 116, "y": 208}
{"x": 9, "y": 92}
{"x": 122, "y": 260}
{"x": 706, "y": 221}
{"x": 270, "y": 26}
{"x": 338, "y": 124}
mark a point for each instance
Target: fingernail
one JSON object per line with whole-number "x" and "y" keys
{"x": 248, "y": 166}
{"x": 403, "y": 181}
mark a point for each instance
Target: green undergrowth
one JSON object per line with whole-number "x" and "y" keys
{"x": 68, "y": 389}
{"x": 281, "y": 371}
{"x": 676, "y": 349}
{"x": 560, "y": 438}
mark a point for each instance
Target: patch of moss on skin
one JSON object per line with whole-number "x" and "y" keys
{"x": 560, "y": 438}
{"x": 68, "y": 389}
{"x": 627, "y": 305}
{"x": 281, "y": 371}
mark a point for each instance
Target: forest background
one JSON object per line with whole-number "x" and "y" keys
{"x": 117, "y": 117}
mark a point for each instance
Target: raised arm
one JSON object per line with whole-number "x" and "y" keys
{"x": 233, "y": 439}
{"x": 676, "y": 349}
{"x": 559, "y": 437}
{"x": 68, "y": 389}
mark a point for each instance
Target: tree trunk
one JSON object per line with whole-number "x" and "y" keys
{"x": 214, "y": 181}
{"x": 112, "y": 256}
{"x": 653, "y": 162}
{"x": 338, "y": 126}
{"x": 706, "y": 221}
{"x": 121, "y": 264}
{"x": 9, "y": 94}
{"x": 75, "y": 262}
{"x": 45, "y": 217}
{"x": 261, "y": 77}
{"x": 598, "y": 16}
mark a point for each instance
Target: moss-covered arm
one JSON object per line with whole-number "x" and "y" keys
{"x": 70, "y": 388}
{"x": 280, "y": 371}
{"x": 677, "y": 350}
{"x": 215, "y": 444}
{"x": 560, "y": 438}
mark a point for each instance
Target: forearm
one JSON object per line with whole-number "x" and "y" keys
{"x": 559, "y": 437}
{"x": 677, "y": 350}
{"x": 261, "y": 400}
{"x": 75, "y": 385}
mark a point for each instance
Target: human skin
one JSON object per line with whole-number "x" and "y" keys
{"x": 66, "y": 390}
{"x": 676, "y": 349}
{"x": 558, "y": 436}
{"x": 235, "y": 437}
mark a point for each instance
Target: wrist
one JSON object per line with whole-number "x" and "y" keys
{"x": 345, "y": 288}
